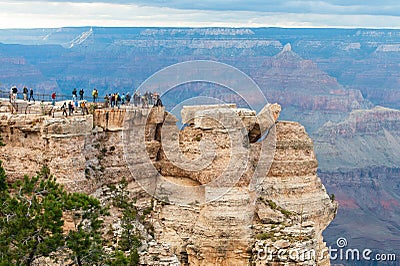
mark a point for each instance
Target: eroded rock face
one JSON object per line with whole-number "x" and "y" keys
{"x": 281, "y": 206}
{"x": 33, "y": 141}
{"x": 286, "y": 212}
{"x": 293, "y": 207}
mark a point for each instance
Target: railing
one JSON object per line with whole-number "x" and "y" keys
{"x": 23, "y": 107}
{"x": 47, "y": 97}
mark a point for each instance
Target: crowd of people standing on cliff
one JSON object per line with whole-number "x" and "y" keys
{"x": 110, "y": 100}
{"x": 145, "y": 101}
{"x": 117, "y": 99}
{"x": 78, "y": 101}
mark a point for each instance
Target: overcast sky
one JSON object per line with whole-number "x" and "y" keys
{"x": 178, "y": 13}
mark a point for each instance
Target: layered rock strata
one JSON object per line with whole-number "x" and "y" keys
{"x": 252, "y": 180}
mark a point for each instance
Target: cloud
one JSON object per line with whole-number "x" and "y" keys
{"x": 175, "y": 13}
{"x": 334, "y": 7}
{"x": 360, "y": 7}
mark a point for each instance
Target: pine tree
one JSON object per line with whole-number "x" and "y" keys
{"x": 31, "y": 222}
{"x": 129, "y": 240}
{"x": 86, "y": 242}
{"x": 32, "y": 218}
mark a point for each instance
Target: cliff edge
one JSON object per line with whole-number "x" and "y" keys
{"x": 231, "y": 188}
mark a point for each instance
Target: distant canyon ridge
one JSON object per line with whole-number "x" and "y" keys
{"x": 122, "y": 58}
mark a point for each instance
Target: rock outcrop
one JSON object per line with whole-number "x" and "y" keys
{"x": 232, "y": 188}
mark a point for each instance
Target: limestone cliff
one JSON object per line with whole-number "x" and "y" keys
{"x": 231, "y": 188}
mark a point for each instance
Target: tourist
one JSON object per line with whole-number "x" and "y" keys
{"x": 64, "y": 109}
{"x": 74, "y": 94}
{"x": 25, "y": 93}
{"x": 95, "y": 94}
{"x": 128, "y": 98}
{"x": 106, "y": 100}
{"x": 81, "y": 92}
{"x": 31, "y": 95}
{"x": 53, "y": 98}
{"x": 70, "y": 108}
{"x": 13, "y": 94}
{"x": 150, "y": 98}
{"x": 112, "y": 100}
{"x": 123, "y": 99}
{"x": 145, "y": 101}
{"x": 157, "y": 101}
{"x": 84, "y": 108}
{"x": 118, "y": 100}
{"x": 136, "y": 98}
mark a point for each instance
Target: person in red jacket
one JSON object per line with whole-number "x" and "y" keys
{"x": 53, "y": 98}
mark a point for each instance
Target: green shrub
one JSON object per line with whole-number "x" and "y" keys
{"x": 265, "y": 235}
{"x": 332, "y": 196}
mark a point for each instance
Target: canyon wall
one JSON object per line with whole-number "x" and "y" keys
{"x": 255, "y": 192}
